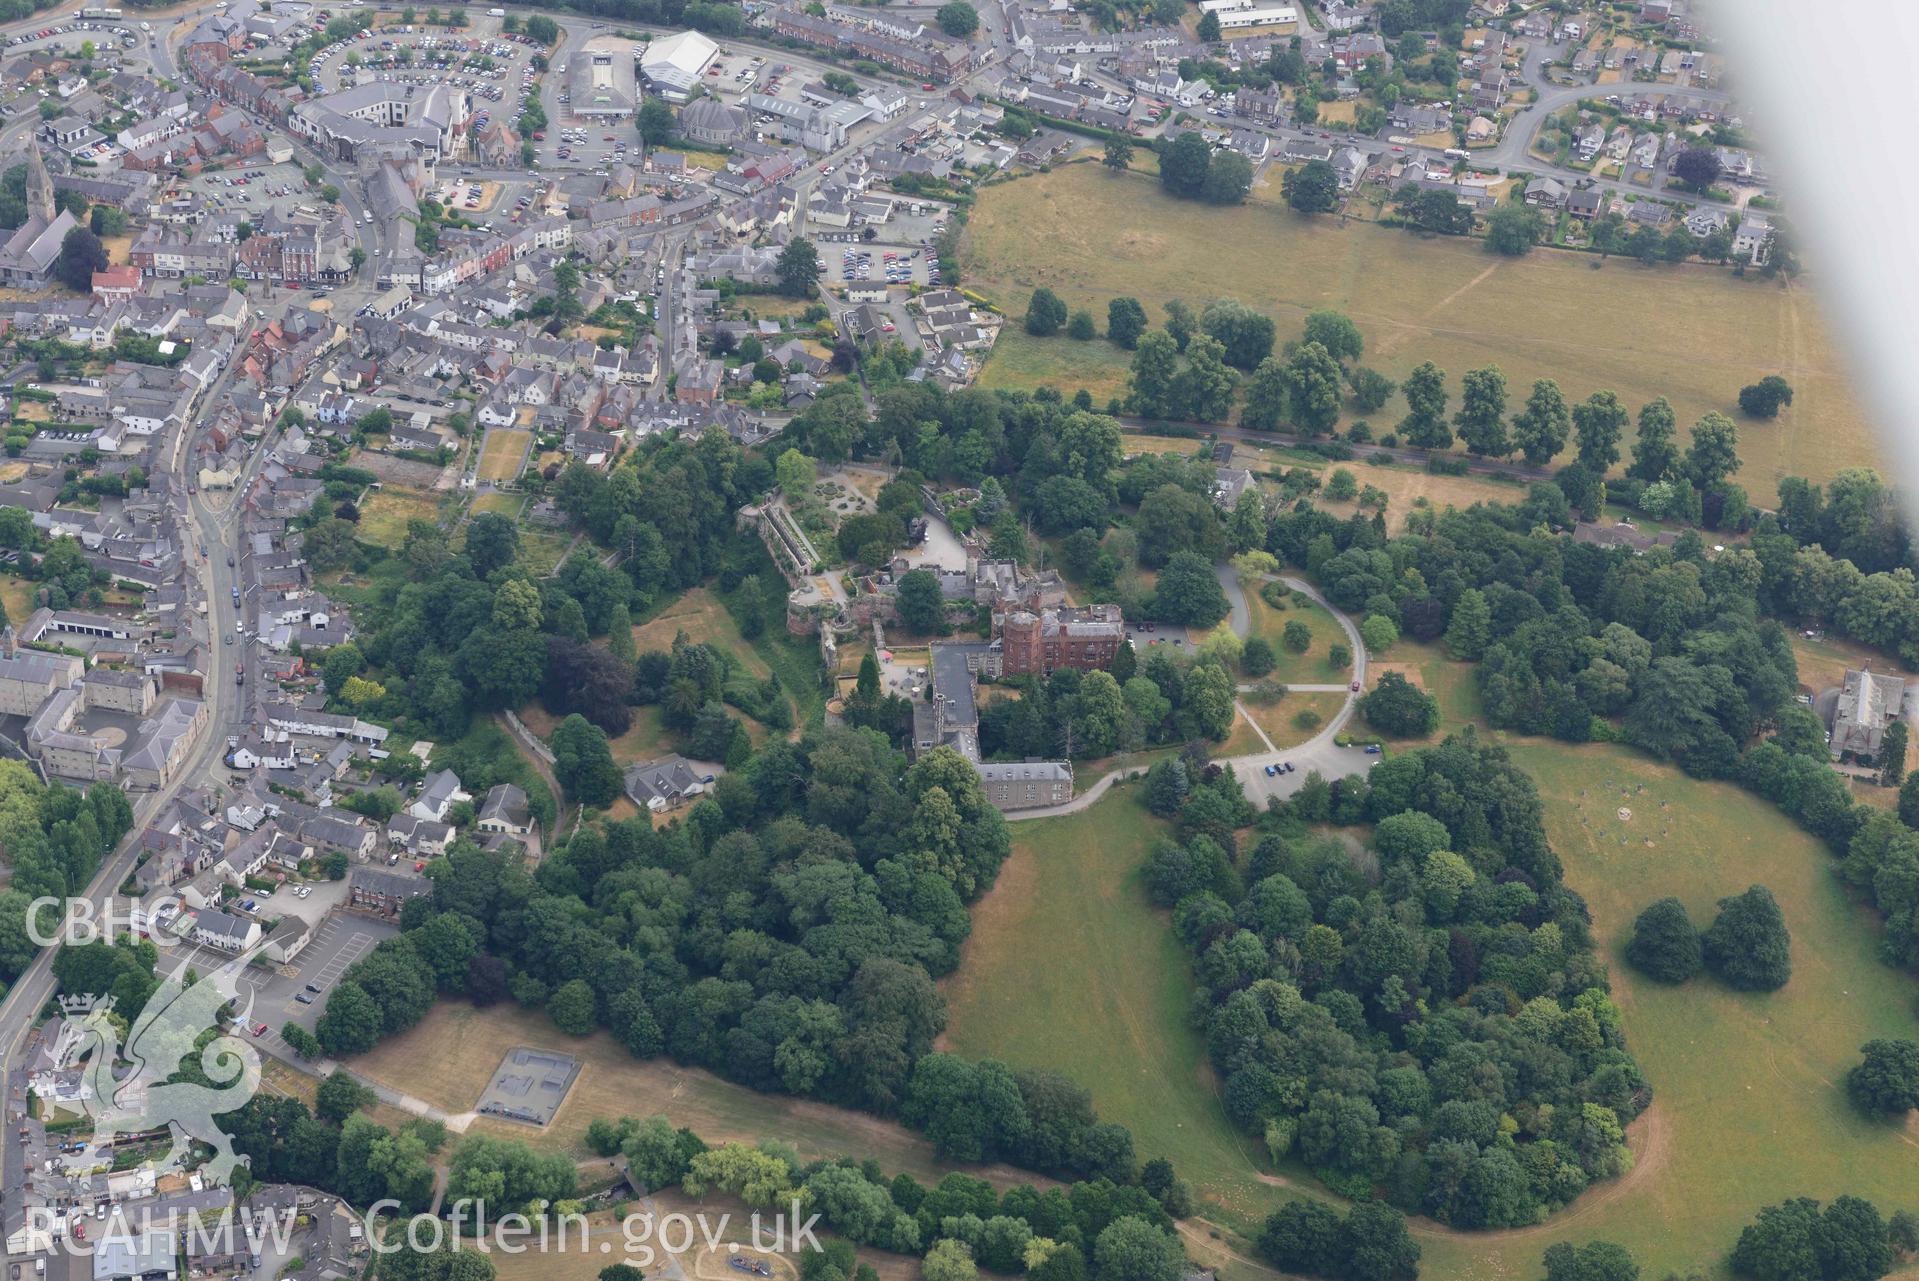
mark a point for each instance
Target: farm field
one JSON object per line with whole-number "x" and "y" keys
{"x": 384, "y": 515}
{"x": 503, "y": 453}
{"x": 463, "y": 1045}
{"x": 1694, "y": 334}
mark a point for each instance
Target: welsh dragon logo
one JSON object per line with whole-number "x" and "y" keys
{"x": 170, "y": 1074}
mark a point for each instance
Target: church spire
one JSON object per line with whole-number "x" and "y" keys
{"x": 39, "y": 185}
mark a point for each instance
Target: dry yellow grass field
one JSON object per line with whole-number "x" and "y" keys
{"x": 503, "y": 453}
{"x": 1823, "y": 662}
{"x": 703, "y": 618}
{"x": 16, "y": 593}
{"x": 1280, "y": 720}
{"x": 384, "y": 516}
{"x": 1694, "y": 334}
{"x": 447, "y": 1059}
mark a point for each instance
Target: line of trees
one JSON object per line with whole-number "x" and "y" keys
{"x": 1096, "y": 1227}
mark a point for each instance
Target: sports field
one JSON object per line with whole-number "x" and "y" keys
{"x": 1695, "y": 334}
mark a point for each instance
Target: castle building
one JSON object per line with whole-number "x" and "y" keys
{"x": 1039, "y": 642}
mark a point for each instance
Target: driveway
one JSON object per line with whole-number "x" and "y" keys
{"x": 1319, "y": 753}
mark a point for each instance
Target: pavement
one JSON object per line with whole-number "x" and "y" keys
{"x": 1321, "y": 754}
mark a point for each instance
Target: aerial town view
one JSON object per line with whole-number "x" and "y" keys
{"x": 828, "y": 640}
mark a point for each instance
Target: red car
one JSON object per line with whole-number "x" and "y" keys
{"x": 1354, "y": 687}
{"x": 420, "y": 866}
{"x": 261, "y": 1030}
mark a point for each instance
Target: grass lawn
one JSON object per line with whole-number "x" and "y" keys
{"x": 1694, "y": 334}
{"x": 503, "y": 453}
{"x": 384, "y": 515}
{"x": 1138, "y": 442}
{"x": 646, "y": 739}
{"x": 1087, "y": 773}
{"x": 1748, "y": 1108}
{"x": 1427, "y": 666}
{"x": 449, "y": 1056}
{"x": 1310, "y": 668}
{"x": 1823, "y": 662}
{"x": 1070, "y": 967}
{"x": 1244, "y": 739}
{"x": 16, "y": 593}
{"x": 1404, "y": 485}
{"x": 1280, "y": 722}
{"x": 1021, "y": 362}
{"x": 508, "y": 505}
{"x": 704, "y": 618}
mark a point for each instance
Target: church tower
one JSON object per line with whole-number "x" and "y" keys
{"x": 39, "y": 186}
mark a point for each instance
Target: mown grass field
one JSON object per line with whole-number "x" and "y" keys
{"x": 503, "y": 453}
{"x": 1021, "y": 362}
{"x": 1070, "y": 967}
{"x": 1311, "y": 667}
{"x": 1694, "y": 334}
{"x": 510, "y": 505}
{"x": 447, "y": 1059}
{"x": 1281, "y": 720}
{"x": 384, "y": 515}
{"x": 1404, "y": 486}
{"x": 1748, "y": 1107}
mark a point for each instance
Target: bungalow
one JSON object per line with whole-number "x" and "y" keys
{"x": 666, "y": 784}
{"x": 505, "y": 810}
{"x": 1546, "y": 193}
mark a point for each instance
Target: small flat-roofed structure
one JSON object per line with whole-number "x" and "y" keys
{"x": 529, "y": 1085}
